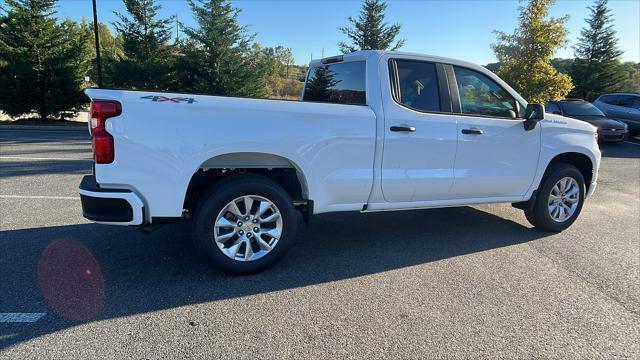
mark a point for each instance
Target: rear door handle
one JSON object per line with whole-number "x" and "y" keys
{"x": 404, "y": 128}
{"x": 472, "y": 131}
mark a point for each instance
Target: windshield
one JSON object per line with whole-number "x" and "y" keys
{"x": 580, "y": 108}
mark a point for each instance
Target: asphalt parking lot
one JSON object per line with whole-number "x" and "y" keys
{"x": 468, "y": 282}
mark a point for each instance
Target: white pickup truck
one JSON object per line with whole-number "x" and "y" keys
{"x": 373, "y": 131}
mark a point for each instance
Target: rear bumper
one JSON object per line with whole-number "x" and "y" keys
{"x": 110, "y": 206}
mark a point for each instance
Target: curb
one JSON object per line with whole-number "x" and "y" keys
{"x": 45, "y": 127}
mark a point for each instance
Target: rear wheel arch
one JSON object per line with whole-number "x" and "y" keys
{"x": 279, "y": 169}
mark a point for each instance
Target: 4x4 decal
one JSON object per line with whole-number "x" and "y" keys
{"x": 157, "y": 98}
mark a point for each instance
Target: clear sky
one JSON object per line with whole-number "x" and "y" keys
{"x": 456, "y": 28}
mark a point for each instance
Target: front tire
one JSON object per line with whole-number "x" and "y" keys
{"x": 559, "y": 199}
{"x": 245, "y": 223}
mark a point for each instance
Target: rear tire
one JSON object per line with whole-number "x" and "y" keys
{"x": 558, "y": 200}
{"x": 245, "y": 223}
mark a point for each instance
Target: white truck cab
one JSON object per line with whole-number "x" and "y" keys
{"x": 373, "y": 131}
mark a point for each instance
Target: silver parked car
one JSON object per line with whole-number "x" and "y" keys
{"x": 624, "y": 107}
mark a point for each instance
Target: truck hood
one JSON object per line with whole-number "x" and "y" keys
{"x": 553, "y": 120}
{"x": 602, "y": 122}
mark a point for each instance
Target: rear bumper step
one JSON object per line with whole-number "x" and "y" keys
{"x": 110, "y": 206}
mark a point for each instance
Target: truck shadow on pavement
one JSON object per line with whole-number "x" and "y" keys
{"x": 146, "y": 273}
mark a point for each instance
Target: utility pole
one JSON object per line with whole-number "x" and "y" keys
{"x": 177, "y": 29}
{"x": 95, "y": 32}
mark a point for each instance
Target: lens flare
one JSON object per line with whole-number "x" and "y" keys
{"x": 70, "y": 280}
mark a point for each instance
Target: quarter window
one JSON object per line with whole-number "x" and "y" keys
{"x": 417, "y": 85}
{"x": 479, "y": 95}
{"x": 342, "y": 83}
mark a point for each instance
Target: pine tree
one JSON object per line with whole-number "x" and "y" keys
{"x": 597, "y": 68}
{"x": 369, "y": 31}
{"x": 525, "y": 56}
{"x": 216, "y": 56}
{"x": 148, "y": 59}
{"x": 318, "y": 85}
{"x": 41, "y": 61}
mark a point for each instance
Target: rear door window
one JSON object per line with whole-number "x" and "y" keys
{"x": 417, "y": 85}
{"x": 342, "y": 83}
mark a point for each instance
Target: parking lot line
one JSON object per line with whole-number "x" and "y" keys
{"x": 20, "y": 317}
{"x": 39, "y": 197}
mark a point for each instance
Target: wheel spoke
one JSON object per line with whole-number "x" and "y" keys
{"x": 248, "y": 250}
{"x": 232, "y": 251}
{"x": 572, "y": 191}
{"x": 264, "y": 206}
{"x": 568, "y": 210}
{"x": 248, "y": 203}
{"x": 560, "y": 214}
{"x": 233, "y": 208}
{"x": 225, "y": 237}
{"x": 572, "y": 200}
{"x": 274, "y": 233}
{"x": 224, "y": 223}
{"x": 271, "y": 218}
{"x": 263, "y": 244}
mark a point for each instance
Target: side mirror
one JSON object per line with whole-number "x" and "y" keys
{"x": 532, "y": 115}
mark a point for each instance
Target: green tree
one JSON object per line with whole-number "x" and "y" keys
{"x": 631, "y": 81}
{"x": 277, "y": 61}
{"x": 369, "y": 31}
{"x": 111, "y": 50}
{"x": 319, "y": 84}
{"x": 148, "y": 58}
{"x": 42, "y": 61}
{"x": 596, "y": 69}
{"x": 217, "y": 56}
{"x": 525, "y": 56}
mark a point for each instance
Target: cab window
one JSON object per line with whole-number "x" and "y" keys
{"x": 342, "y": 83}
{"x": 479, "y": 95}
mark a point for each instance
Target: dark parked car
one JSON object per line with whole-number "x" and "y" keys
{"x": 608, "y": 129}
{"x": 621, "y": 106}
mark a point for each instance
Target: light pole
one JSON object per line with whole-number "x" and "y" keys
{"x": 95, "y": 32}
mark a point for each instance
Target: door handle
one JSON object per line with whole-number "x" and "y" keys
{"x": 472, "y": 131}
{"x": 403, "y": 128}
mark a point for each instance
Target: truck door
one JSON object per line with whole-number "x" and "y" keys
{"x": 420, "y": 132}
{"x": 496, "y": 156}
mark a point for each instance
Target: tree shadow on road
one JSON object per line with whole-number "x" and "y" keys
{"x": 147, "y": 273}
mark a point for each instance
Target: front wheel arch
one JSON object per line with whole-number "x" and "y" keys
{"x": 581, "y": 161}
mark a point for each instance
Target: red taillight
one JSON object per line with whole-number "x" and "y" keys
{"x": 102, "y": 141}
